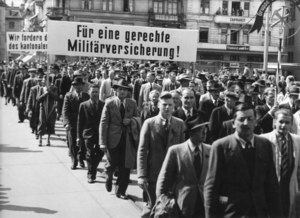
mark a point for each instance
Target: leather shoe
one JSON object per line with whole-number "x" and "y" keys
{"x": 108, "y": 185}
{"x": 121, "y": 196}
{"x": 73, "y": 167}
{"x": 90, "y": 180}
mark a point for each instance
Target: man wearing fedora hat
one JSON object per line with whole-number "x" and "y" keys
{"x": 292, "y": 95}
{"x": 138, "y": 84}
{"x": 70, "y": 112}
{"x": 184, "y": 169}
{"x": 118, "y": 114}
{"x": 27, "y": 84}
{"x": 210, "y": 100}
{"x": 184, "y": 81}
{"x": 106, "y": 89}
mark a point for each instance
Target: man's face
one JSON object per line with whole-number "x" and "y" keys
{"x": 244, "y": 123}
{"x": 150, "y": 78}
{"x": 172, "y": 77}
{"x": 78, "y": 87}
{"x": 270, "y": 98}
{"x": 122, "y": 92}
{"x": 166, "y": 107}
{"x": 188, "y": 99}
{"x": 94, "y": 94}
{"x": 215, "y": 94}
{"x": 176, "y": 99}
{"x": 198, "y": 135}
{"x": 154, "y": 98}
{"x": 143, "y": 74}
{"x": 293, "y": 98}
{"x": 230, "y": 102}
{"x": 283, "y": 124}
{"x": 70, "y": 70}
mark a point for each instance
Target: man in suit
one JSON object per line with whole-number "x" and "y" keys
{"x": 147, "y": 88}
{"x": 265, "y": 113}
{"x": 241, "y": 178}
{"x": 150, "y": 108}
{"x": 157, "y": 135}
{"x": 88, "y": 130}
{"x": 27, "y": 84}
{"x": 210, "y": 100}
{"x": 138, "y": 84}
{"x": 171, "y": 83}
{"x": 221, "y": 114}
{"x": 286, "y": 151}
{"x": 70, "y": 117}
{"x": 117, "y": 115}
{"x": 292, "y": 95}
{"x": 16, "y": 90}
{"x": 106, "y": 89}
{"x": 184, "y": 170}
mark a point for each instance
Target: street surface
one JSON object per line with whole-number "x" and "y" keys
{"x": 38, "y": 182}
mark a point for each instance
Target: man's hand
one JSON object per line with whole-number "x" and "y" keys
{"x": 143, "y": 182}
{"x": 273, "y": 109}
{"x": 103, "y": 148}
{"x": 126, "y": 121}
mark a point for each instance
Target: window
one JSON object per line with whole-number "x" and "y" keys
{"x": 158, "y": 6}
{"x": 203, "y": 34}
{"x": 290, "y": 57}
{"x": 107, "y": 5}
{"x": 204, "y": 6}
{"x": 11, "y": 25}
{"x": 172, "y": 7}
{"x": 223, "y": 36}
{"x": 86, "y": 4}
{"x": 128, "y": 6}
{"x": 225, "y": 8}
{"x": 165, "y": 7}
{"x": 235, "y": 9}
{"x": 291, "y": 37}
{"x": 234, "y": 37}
{"x": 247, "y": 9}
{"x": 234, "y": 57}
{"x": 245, "y": 37}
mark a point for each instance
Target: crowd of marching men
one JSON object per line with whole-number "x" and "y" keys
{"x": 134, "y": 112}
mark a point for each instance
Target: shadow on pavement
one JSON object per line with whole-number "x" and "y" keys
{"x": 5, "y": 206}
{"x": 8, "y": 149}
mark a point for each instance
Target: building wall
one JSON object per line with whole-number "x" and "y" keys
{"x": 2, "y": 34}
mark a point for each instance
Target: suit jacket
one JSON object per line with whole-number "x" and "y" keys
{"x": 27, "y": 84}
{"x": 18, "y": 83}
{"x": 226, "y": 129}
{"x": 89, "y": 120}
{"x": 71, "y": 108}
{"x": 295, "y": 178}
{"x": 106, "y": 90}
{"x": 228, "y": 189}
{"x": 153, "y": 145}
{"x": 296, "y": 123}
{"x": 137, "y": 88}
{"x": 178, "y": 175}
{"x": 295, "y": 209}
{"x": 218, "y": 116}
{"x": 207, "y": 106}
{"x": 144, "y": 93}
{"x": 111, "y": 124}
{"x": 65, "y": 85}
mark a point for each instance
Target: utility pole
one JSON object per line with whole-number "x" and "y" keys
{"x": 267, "y": 39}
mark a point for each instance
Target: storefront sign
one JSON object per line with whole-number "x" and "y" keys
{"x": 237, "y": 48}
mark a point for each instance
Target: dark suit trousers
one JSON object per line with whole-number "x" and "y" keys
{"x": 116, "y": 159}
{"x": 21, "y": 111}
{"x": 59, "y": 106}
{"x": 93, "y": 157}
{"x": 74, "y": 151}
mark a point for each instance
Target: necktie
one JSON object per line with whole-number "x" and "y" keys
{"x": 150, "y": 87}
{"x": 95, "y": 106}
{"x": 197, "y": 162}
{"x": 166, "y": 126}
{"x": 284, "y": 158}
{"x": 189, "y": 114}
{"x": 122, "y": 109}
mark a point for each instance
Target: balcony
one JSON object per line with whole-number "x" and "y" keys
{"x": 55, "y": 13}
{"x": 166, "y": 20}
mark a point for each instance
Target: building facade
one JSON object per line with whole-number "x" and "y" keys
{"x": 224, "y": 39}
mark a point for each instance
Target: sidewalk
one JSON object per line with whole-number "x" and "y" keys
{"x": 37, "y": 181}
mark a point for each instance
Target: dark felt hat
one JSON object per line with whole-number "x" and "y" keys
{"x": 195, "y": 121}
{"x": 230, "y": 94}
{"x": 77, "y": 81}
{"x": 122, "y": 83}
{"x": 183, "y": 77}
{"x": 294, "y": 90}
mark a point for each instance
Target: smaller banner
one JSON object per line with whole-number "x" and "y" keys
{"x": 121, "y": 41}
{"x": 26, "y": 41}
{"x": 260, "y": 15}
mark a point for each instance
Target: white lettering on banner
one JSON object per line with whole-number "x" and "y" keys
{"x": 120, "y": 41}
{"x": 27, "y": 41}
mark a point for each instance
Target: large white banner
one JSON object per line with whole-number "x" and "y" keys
{"x": 26, "y": 41}
{"x": 120, "y": 41}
